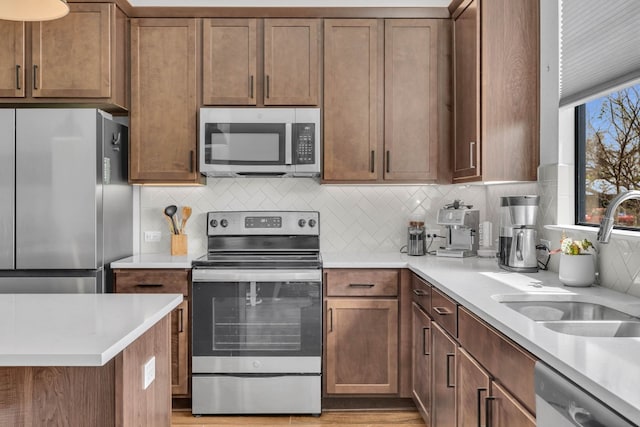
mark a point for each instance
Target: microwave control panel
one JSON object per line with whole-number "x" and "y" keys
{"x": 304, "y": 143}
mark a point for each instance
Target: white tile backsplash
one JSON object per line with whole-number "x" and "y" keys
{"x": 358, "y": 218}
{"x": 353, "y": 217}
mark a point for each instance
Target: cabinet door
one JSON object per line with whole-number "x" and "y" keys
{"x": 411, "y": 99}
{"x": 473, "y": 384}
{"x": 72, "y": 55}
{"x": 164, "y": 63}
{"x": 421, "y": 362}
{"x": 444, "y": 378}
{"x": 503, "y": 410}
{"x": 12, "y": 54}
{"x": 352, "y": 97}
{"x": 466, "y": 40}
{"x": 229, "y": 62}
{"x": 180, "y": 349}
{"x": 362, "y": 346}
{"x": 291, "y": 61}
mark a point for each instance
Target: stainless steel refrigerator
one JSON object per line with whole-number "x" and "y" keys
{"x": 66, "y": 208}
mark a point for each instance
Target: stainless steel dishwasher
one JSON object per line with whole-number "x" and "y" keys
{"x": 561, "y": 403}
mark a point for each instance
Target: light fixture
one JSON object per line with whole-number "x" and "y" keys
{"x": 33, "y": 10}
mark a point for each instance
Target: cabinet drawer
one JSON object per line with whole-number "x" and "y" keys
{"x": 152, "y": 281}
{"x": 509, "y": 364}
{"x": 421, "y": 293}
{"x": 444, "y": 311}
{"x": 351, "y": 282}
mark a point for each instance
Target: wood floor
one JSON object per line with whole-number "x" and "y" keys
{"x": 328, "y": 419}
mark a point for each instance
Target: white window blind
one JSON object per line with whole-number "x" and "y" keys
{"x": 599, "y": 47}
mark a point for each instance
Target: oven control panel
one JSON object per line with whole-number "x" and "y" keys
{"x": 241, "y": 223}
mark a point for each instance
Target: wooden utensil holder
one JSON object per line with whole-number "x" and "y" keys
{"x": 178, "y": 244}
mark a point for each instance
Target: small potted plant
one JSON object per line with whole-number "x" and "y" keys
{"x": 577, "y": 267}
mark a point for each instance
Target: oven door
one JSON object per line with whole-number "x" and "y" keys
{"x": 256, "y": 321}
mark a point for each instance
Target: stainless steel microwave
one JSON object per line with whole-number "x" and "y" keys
{"x": 259, "y": 141}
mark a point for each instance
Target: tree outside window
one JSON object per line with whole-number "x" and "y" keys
{"x": 608, "y": 136}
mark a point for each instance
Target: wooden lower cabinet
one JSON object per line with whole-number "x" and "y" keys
{"x": 361, "y": 346}
{"x": 180, "y": 349}
{"x": 421, "y": 362}
{"x": 505, "y": 411}
{"x": 165, "y": 281}
{"x": 444, "y": 378}
{"x": 473, "y": 388}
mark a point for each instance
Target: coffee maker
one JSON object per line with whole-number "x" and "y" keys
{"x": 461, "y": 223}
{"x": 416, "y": 243}
{"x": 518, "y": 237}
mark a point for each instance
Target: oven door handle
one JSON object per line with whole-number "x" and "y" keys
{"x": 213, "y": 275}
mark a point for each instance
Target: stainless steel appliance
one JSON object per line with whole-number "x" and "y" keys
{"x": 461, "y": 223}
{"x": 518, "y": 237}
{"x": 257, "y": 315}
{"x": 260, "y": 141}
{"x": 561, "y": 403}
{"x": 67, "y": 206}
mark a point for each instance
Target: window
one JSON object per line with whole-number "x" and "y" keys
{"x": 608, "y": 156}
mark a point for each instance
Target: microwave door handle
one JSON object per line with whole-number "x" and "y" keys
{"x": 287, "y": 144}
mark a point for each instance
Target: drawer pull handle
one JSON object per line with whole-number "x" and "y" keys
{"x": 267, "y": 86}
{"x": 450, "y": 356}
{"x": 480, "y": 391}
{"x": 388, "y": 162}
{"x": 251, "y": 87}
{"x": 425, "y": 341}
{"x": 181, "y": 320}
{"x": 150, "y": 285}
{"x": 361, "y": 285}
{"x": 442, "y": 311}
{"x": 487, "y": 409}
{"x": 420, "y": 292}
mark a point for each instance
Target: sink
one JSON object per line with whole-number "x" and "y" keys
{"x": 566, "y": 310}
{"x": 609, "y": 328}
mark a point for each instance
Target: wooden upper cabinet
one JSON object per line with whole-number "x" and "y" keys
{"x": 466, "y": 158}
{"x": 229, "y": 61}
{"x": 496, "y": 73}
{"x": 411, "y": 99}
{"x": 387, "y": 100}
{"x": 233, "y": 72}
{"x": 80, "y": 58}
{"x": 12, "y": 59}
{"x": 71, "y": 56}
{"x": 164, "y": 106}
{"x": 291, "y": 61}
{"x": 352, "y": 99}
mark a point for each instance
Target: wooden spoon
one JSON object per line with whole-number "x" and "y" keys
{"x": 186, "y": 213}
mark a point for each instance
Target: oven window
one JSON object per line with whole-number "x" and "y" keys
{"x": 257, "y": 318}
{"x": 245, "y": 143}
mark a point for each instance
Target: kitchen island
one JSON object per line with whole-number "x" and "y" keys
{"x": 85, "y": 359}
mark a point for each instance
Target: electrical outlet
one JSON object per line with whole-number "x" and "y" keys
{"x": 432, "y": 233}
{"x": 152, "y": 236}
{"x": 149, "y": 373}
{"x": 546, "y": 243}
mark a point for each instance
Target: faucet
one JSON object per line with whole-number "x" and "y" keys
{"x": 606, "y": 225}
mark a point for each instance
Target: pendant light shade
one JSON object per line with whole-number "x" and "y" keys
{"x": 33, "y": 10}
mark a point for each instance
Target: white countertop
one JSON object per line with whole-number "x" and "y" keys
{"x": 155, "y": 261}
{"x": 607, "y": 367}
{"x": 75, "y": 329}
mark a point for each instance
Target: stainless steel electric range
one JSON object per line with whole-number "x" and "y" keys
{"x": 257, "y": 315}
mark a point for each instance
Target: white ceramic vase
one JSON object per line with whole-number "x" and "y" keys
{"x": 577, "y": 270}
